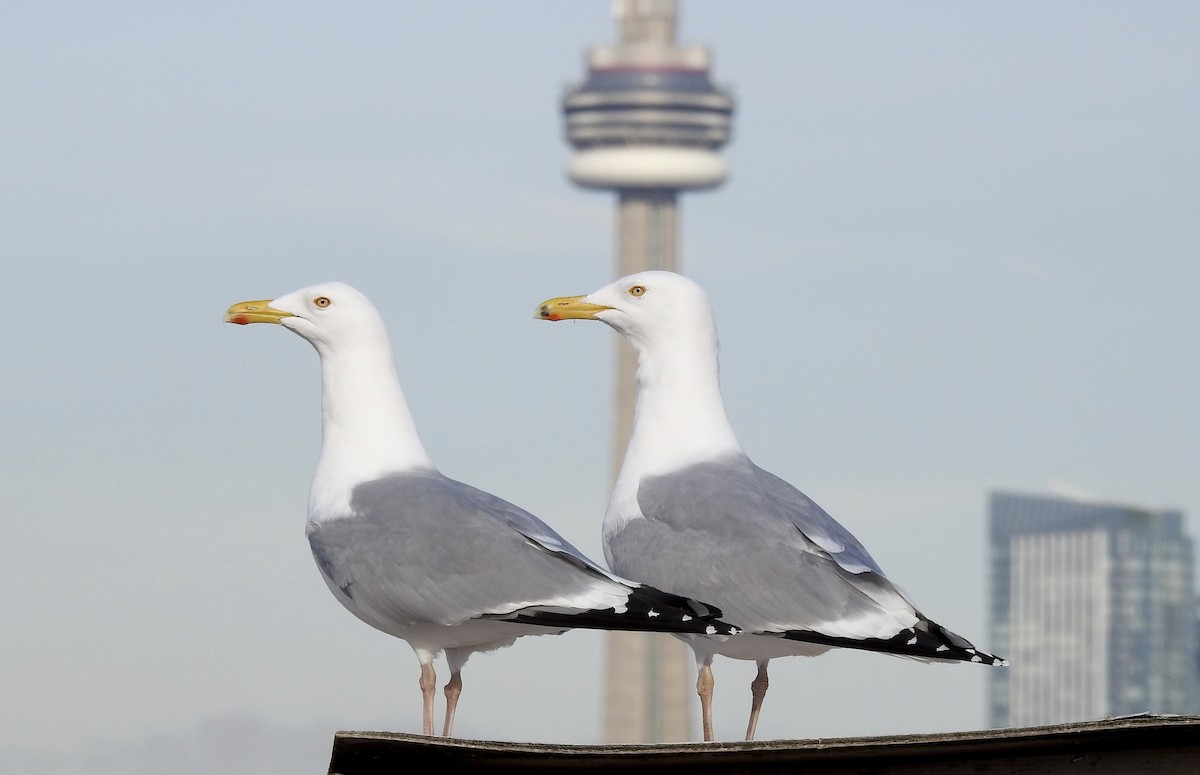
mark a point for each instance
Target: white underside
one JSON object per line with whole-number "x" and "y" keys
{"x": 750, "y": 647}
{"x": 475, "y": 635}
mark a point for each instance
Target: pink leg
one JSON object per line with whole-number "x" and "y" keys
{"x": 758, "y": 690}
{"x": 428, "y": 683}
{"x": 704, "y": 687}
{"x": 453, "y": 690}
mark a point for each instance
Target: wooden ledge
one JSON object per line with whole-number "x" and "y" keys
{"x": 1129, "y": 744}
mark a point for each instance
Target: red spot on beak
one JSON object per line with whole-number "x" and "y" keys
{"x": 239, "y": 320}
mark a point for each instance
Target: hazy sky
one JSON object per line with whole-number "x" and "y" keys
{"x": 959, "y": 251}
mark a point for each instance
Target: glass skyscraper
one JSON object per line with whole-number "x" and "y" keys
{"x": 1094, "y": 606}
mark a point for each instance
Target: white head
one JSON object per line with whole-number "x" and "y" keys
{"x": 654, "y": 309}
{"x": 332, "y": 316}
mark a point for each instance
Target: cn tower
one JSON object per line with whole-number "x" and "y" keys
{"x": 647, "y": 122}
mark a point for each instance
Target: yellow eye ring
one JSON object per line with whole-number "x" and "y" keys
{"x": 637, "y": 290}
{"x": 321, "y": 302}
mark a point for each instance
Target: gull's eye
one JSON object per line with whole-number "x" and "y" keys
{"x": 321, "y": 302}
{"x": 637, "y": 290}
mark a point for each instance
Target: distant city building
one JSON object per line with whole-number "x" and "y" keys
{"x": 646, "y": 122}
{"x": 1094, "y": 606}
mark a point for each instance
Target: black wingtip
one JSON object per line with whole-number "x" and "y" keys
{"x": 925, "y": 640}
{"x": 681, "y": 614}
{"x": 646, "y": 610}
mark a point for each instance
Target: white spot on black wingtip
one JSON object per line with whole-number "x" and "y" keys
{"x": 976, "y": 658}
{"x": 912, "y": 641}
{"x": 652, "y": 613}
{"x": 710, "y": 630}
{"x": 942, "y": 647}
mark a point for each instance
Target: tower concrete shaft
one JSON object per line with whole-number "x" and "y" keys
{"x": 646, "y": 122}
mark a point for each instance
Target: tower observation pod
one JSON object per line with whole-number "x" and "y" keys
{"x": 647, "y": 122}
{"x": 647, "y": 116}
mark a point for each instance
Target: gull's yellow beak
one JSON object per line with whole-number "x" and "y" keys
{"x": 254, "y": 312}
{"x": 568, "y": 308}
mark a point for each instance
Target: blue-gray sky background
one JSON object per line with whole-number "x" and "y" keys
{"x": 959, "y": 250}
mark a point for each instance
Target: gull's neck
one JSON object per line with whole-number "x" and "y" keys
{"x": 367, "y": 430}
{"x": 680, "y": 418}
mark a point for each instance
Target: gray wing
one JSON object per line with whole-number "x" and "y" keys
{"x": 421, "y": 548}
{"x": 815, "y": 523}
{"x": 730, "y": 533}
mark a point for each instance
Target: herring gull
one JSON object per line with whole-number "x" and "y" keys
{"x": 444, "y": 566}
{"x": 690, "y": 512}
